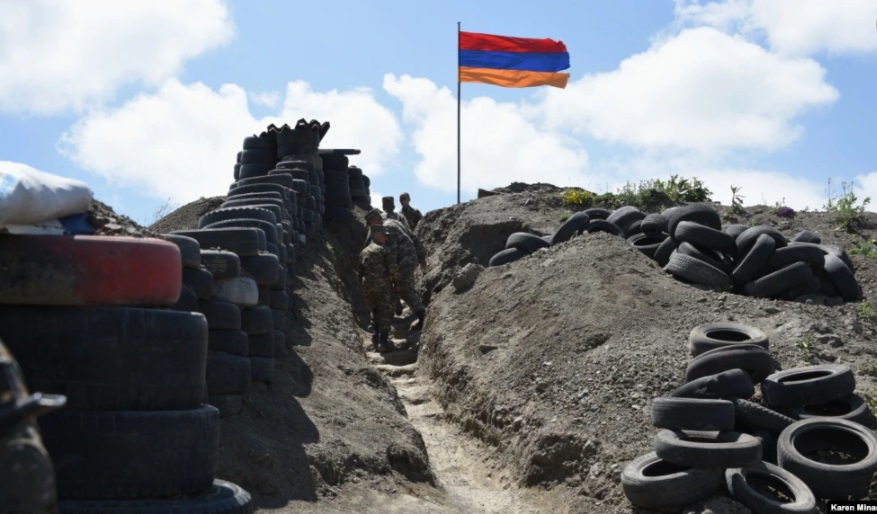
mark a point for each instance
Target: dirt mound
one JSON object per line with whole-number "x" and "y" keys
{"x": 186, "y": 217}
{"x": 554, "y": 359}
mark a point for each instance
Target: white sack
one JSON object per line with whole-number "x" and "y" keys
{"x": 29, "y": 196}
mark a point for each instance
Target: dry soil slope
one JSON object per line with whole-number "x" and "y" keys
{"x": 554, "y": 358}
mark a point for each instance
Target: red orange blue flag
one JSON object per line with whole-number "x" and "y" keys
{"x": 512, "y": 61}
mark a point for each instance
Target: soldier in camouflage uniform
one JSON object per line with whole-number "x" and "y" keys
{"x": 379, "y": 274}
{"x": 390, "y": 214}
{"x": 412, "y": 215}
{"x": 407, "y": 252}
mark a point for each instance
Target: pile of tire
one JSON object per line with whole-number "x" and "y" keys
{"x": 359, "y": 185}
{"x": 338, "y": 198}
{"x": 246, "y": 308}
{"x": 300, "y": 145}
{"x": 135, "y": 433}
{"x": 691, "y": 244}
{"x": 715, "y": 436}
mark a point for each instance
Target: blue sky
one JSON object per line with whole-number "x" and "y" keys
{"x": 148, "y": 102}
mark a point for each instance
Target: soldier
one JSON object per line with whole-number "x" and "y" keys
{"x": 412, "y": 215}
{"x": 378, "y": 275}
{"x": 406, "y": 254}
{"x": 389, "y": 211}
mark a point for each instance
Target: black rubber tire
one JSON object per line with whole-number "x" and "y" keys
{"x": 255, "y": 169}
{"x": 262, "y": 368}
{"x": 257, "y": 320}
{"x": 279, "y": 300}
{"x": 261, "y": 345}
{"x": 715, "y": 259}
{"x": 279, "y": 319}
{"x": 651, "y": 483}
{"x": 227, "y": 374}
{"x": 295, "y": 164}
{"x": 228, "y": 405}
{"x": 752, "y": 263}
{"x": 221, "y": 315}
{"x": 569, "y": 227}
{"x": 598, "y": 225}
{"x": 647, "y": 243}
{"x": 780, "y": 281}
{"x": 597, "y": 213}
{"x": 624, "y": 216}
{"x": 692, "y": 414}
{"x": 704, "y": 237}
{"x": 271, "y": 195}
{"x": 842, "y": 278}
{"x": 632, "y": 228}
{"x": 190, "y": 250}
{"x": 851, "y": 407}
{"x": 664, "y": 251}
{"x": 804, "y": 438}
{"x": 698, "y": 272}
{"x": 264, "y": 268}
{"x": 232, "y": 342}
{"x": 221, "y": 264}
{"x": 750, "y": 235}
{"x": 188, "y": 301}
{"x": 280, "y": 351}
{"x": 132, "y": 454}
{"x": 258, "y": 201}
{"x": 734, "y": 383}
{"x": 708, "y": 450}
{"x": 655, "y": 223}
{"x": 810, "y": 255}
{"x": 526, "y": 242}
{"x": 200, "y": 280}
{"x": 222, "y": 498}
{"x": 110, "y": 358}
{"x": 808, "y": 385}
{"x": 701, "y": 213}
{"x": 756, "y": 416}
{"x": 260, "y": 186}
{"x": 506, "y": 256}
{"x": 710, "y": 336}
{"x": 260, "y": 143}
{"x": 259, "y": 156}
{"x": 233, "y": 213}
{"x": 734, "y": 229}
{"x": 748, "y": 357}
{"x": 738, "y": 483}
{"x": 242, "y": 241}
{"x": 279, "y": 211}
{"x": 768, "y": 443}
{"x": 811, "y": 286}
{"x": 807, "y": 236}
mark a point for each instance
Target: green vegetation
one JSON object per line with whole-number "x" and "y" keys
{"x": 645, "y": 195}
{"x": 843, "y": 208}
{"x": 564, "y": 218}
{"x": 807, "y": 346}
{"x": 869, "y": 369}
{"x": 865, "y": 248}
{"x": 866, "y": 311}
{"x": 737, "y": 201}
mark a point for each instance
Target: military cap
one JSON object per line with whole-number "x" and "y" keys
{"x": 372, "y": 213}
{"x": 388, "y": 200}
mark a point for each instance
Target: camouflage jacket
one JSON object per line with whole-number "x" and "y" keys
{"x": 377, "y": 269}
{"x": 398, "y": 217}
{"x": 412, "y": 215}
{"x": 416, "y": 252}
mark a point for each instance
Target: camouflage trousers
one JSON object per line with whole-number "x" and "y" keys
{"x": 381, "y": 304}
{"x": 409, "y": 289}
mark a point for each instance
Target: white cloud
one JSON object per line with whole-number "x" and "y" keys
{"x": 799, "y": 27}
{"x": 764, "y": 187}
{"x": 500, "y": 143}
{"x": 181, "y": 142}
{"x": 865, "y": 187}
{"x": 356, "y": 120}
{"x": 265, "y": 99}
{"x": 66, "y": 54}
{"x": 700, "y": 90}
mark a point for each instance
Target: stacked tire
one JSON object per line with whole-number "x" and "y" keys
{"x": 257, "y": 158}
{"x": 358, "y": 184}
{"x": 135, "y": 431}
{"x": 691, "y": 244}
{"x": 338, "y": 200}
{"x": 302, "y": 181}
{"x": 301, "y": 144}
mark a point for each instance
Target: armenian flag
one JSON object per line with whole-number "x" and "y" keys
{"x": 512, "y": 61}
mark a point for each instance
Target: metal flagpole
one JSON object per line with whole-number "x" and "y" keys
{"x": 458, "y": 112}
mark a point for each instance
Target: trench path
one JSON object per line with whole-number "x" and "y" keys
{"x": 471, "y": 479}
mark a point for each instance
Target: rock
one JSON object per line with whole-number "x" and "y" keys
{"x": 466, "y": 277}
{"x": 832, "y": 340}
